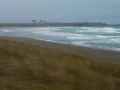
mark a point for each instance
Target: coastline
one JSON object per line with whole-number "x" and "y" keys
{"x": 52, "y": 24}
{"x": 95, "y": 54}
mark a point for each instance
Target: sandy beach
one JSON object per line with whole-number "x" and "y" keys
{"x": 100, "y": 55}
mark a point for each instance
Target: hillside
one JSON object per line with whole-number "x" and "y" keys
{"x": 29, "y": 67}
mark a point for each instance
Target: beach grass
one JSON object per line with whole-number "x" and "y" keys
{"x": 28, "y": 67}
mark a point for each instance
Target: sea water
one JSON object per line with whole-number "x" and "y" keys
{"x": 107, "y": 38}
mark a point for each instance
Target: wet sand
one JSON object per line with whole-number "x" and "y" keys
{"x": 96, "y": 54}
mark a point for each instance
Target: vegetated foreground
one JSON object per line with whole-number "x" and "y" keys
{"x": 28, "y": 67}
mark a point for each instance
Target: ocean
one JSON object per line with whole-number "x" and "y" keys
{"x": 98, "y": 37}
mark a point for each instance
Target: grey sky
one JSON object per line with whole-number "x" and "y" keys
{"x": 15, "y": 11}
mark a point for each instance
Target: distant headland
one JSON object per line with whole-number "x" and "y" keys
{"x": 55, "y": 24}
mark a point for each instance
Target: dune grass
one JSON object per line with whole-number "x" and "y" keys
{"x": 29, "y": 67}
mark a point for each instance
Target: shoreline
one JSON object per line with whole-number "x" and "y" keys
{"x": 52, "y": 24}
{"x": 95, "y": 54}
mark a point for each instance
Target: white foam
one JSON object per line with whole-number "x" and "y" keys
{"x": 7, "y": 31}
{"x": 106, "y": 37}
{"x": 50, "y": 41}
{"x": 98, "y": 30}
{"x": 19, "y": 29}
{"x": 47, "y": 28}
{"x": 49, "y": 33}
{"x": 97, "y": 47}
{"x": 100, "y": 36}
{"x": 82, "y": 31}
{"x": 45, "y": 40}
{"x": 80, "y": 43}
{"x": 39, "y": 30}
{"x": 110, "y": 28}
{"x": 92, "y": 28}
{"x": 117, "y": 40}
{"x": 109, "y": 48}
{"x": 80, "y": 37}
{"x": 69, "y": 27}
{"x": 109, "y": 31}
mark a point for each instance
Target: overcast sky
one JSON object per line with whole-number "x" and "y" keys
{"x": 23, "y": 11}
